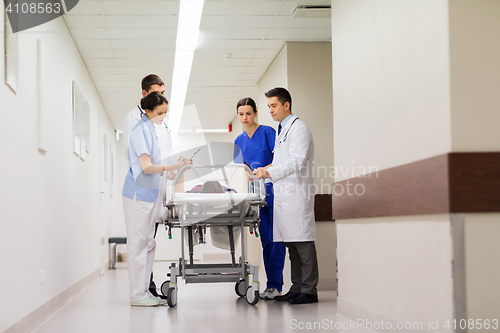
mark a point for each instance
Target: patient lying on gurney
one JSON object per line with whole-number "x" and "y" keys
{"x": 211, "y": 186}
{"x": 219, "y": 235}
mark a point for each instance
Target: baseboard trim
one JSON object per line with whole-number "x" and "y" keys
{"x": 327, "y": 284}
{"x": 44, "y": 311}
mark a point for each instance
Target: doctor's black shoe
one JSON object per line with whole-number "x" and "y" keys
{"x": 286, "y": 297}
{"x": 304, "y": 299}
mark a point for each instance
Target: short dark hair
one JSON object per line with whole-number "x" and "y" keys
{"x": 247, "y": 101}
{"x": 151, "y": 101}
{"x": 282, "y": 94}
{"x": 149, "y": 80}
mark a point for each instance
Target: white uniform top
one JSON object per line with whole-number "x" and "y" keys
{"x": 163, "y": 135}
{"x": 292, "y": 175}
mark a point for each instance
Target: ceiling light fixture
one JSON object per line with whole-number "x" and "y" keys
{"x": 212, "y": 130}
{"x": 312, "y": 11}
{"x": 188, "y": 33}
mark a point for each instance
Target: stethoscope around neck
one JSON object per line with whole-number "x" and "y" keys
{"x": 286, "y": 134}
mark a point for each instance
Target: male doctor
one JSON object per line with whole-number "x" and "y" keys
{"x": 292, "y": 175}
{"x": 150, "y": 83}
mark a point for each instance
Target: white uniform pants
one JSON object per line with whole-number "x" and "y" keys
{"x": 140, "y": 224}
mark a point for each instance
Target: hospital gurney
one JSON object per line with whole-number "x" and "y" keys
{"x": 193, "y": 213}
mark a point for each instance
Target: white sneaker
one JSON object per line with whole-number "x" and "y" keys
{"x": 151, "y": 301}
{"x": 161, "y": 301}
{"x": 269, "y": 293}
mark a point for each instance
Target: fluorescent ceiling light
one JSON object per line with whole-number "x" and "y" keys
{"x": 212, "y": 131}
{"x": 188, "y": 33}
{"x": 199, "y": 130}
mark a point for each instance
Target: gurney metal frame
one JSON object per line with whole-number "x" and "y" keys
{"x": 177, "y": 216}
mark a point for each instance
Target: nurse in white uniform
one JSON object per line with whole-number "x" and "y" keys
{"x": 140, "y": 194}
{"x": 292, "y": 174}
{"x": 152, "y": 83}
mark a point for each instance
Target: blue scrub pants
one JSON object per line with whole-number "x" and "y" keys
{"x": 273, "y": 252}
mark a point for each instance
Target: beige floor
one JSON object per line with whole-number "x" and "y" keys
{"x": 104, "y": 307}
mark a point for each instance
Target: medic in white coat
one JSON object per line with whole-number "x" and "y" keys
{"x": 292, "y": 176}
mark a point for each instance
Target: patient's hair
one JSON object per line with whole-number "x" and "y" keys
{"x": 212, "y": 186}
{"x": 149, "y": 80}
{"x": 151, "y": 101}
{"x": 246, "y": 101}
{"x": 282, "y": 94}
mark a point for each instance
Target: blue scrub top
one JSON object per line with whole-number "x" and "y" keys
{"x": 142, "y": 140}
{"x": 257, "y": 152}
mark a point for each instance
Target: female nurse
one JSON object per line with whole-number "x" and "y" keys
{"x": 140, "y": 193}
{"x": 256, "y": 145}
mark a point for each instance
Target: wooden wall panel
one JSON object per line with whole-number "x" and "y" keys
{"x": 411, "y": 189}
{"x": 474, "y": 182}
{"x": 449, "y": 183}
{"x": 323, "y": 207}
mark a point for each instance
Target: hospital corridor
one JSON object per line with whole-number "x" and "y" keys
{"x": 103, "y": 307}
{"x": 250, "y": 166}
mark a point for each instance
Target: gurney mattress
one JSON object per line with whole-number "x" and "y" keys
{"x": 213, "y": 198}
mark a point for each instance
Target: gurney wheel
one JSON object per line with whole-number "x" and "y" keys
{"x": 164, "y": 287}
{"x": 252, "y": 297}
{"x": 171, "y": 297}
{"x": 240, "y": 288}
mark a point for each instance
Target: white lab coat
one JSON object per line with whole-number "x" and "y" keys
{"x": 292, "y": 175}
{"x": 163, "y": 135}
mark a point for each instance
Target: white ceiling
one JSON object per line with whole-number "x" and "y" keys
{"x": 123, "y": 41}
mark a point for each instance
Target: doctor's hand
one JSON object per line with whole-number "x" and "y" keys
{"x": 261, "y": 173}
{"x": 171, "y": 175}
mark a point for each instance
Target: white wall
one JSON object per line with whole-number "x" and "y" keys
{"x": 392, "y": 106}
{"x": 475, "y": 74}
{"x": 310, "y": 83}
{"x": 397, "y": 268}
{"x": 50, "y": 204}
{"x": 391, "y": 82}
{"x": 482, "y": 263}
{"x": 275, "y": 76}
{"x": 475, "y": 78}
{"x": 414, "y": 79}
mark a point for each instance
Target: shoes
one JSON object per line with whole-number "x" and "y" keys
{"x": 283, "y": 298}
{"x": 151, "y": 301}
{"x": 162, "y": 301}
{"x": 303, "y": 299}
{"x": 269, "y": 293}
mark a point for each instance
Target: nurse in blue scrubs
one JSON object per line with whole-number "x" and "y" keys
{"x": 256, "y": 144}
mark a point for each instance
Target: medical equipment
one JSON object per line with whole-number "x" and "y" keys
{"x": 195, "y": 212}
{"x": 196, "y": 152}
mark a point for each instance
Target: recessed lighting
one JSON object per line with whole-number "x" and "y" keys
{"x": 188, "y": 34}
